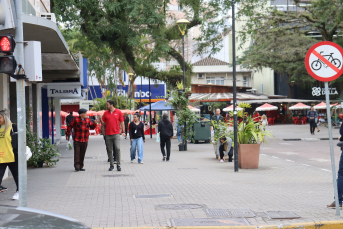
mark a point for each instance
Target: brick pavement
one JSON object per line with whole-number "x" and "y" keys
{"x": 192, "y": 177}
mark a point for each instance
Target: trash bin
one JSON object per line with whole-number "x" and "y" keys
{"x": 202, "y": 132}
{"x": 63, "y": 132}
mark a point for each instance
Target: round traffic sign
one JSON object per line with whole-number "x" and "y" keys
{"x": 324, "y": 60}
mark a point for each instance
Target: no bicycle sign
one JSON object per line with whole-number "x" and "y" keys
{"x": 324, "y": 60}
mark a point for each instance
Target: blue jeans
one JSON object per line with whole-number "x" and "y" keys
{"x": 340, "y": 179}
{"x": 137, "y": 143}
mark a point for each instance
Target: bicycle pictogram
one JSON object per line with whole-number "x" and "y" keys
{"x": 317, "y": 64}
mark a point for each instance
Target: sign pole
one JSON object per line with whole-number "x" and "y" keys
{"x": 21, "y": 112}
{"x": 328, "y": 115}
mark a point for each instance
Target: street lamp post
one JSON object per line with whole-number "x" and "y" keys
{"x": 140, "y": 94}
{"x": 150, "y": 109}
{"x": 130, "y": 92}
{"x": 234, "y": 89}
{"x": 182, "y": 24}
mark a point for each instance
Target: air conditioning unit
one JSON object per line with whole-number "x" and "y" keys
{"x": 49, "y": 16}
{"x": 201, "y": 76}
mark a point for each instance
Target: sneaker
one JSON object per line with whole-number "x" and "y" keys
{"x": 132, "y": 160}
{"x": 2, "y": 188}
{"x": 221, "y": 161}
{"x": 333, "y": 205}
{"x": 164, "y": 158}
{"x": 118, "y": 168}
{"x": 16, "y": 196}
{"x": 111, "y": 168}
{"x": 140, "y": 162}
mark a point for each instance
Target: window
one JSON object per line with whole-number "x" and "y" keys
{"x": 201, "y": 75}
{"x": 245, "y": 81}
{"x": 215, "y": 80}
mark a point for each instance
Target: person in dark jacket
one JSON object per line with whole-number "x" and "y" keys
{"x": 126, "y": 123}
{"x": 69, "y": 119}
{"x": 217, "y": 117}
{"x": 165, "y": 128}
{"x": 136, "y": 131}
{"x": 312, "y": 115}
{"x": 339, "y": 176}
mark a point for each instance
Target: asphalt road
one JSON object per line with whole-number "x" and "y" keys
{"x": 309, "y": 153}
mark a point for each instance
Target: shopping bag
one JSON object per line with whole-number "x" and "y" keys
{"x": 28, "y": 153}
{"x": 158, "y": 137}
{"x": 69, "y": 145}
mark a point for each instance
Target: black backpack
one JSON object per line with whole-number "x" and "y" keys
{"x": 14, "y": 136}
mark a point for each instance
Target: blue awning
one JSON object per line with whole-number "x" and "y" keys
{"x": 158, "y": 106}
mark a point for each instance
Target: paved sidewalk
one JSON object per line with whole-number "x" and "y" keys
{"x": 100, "y": 198}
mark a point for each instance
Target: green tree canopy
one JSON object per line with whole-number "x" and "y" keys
{"x": 121, "y": 25}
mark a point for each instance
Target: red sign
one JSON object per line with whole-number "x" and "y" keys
{"x": 323, "y": 61}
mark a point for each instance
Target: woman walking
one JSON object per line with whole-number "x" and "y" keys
{"x": 8, "y": 151}
{"x": 136, "y": 131}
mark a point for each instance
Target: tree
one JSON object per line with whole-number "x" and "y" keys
{"x": 282, "y": 39}
{"x": 122, "y": 24}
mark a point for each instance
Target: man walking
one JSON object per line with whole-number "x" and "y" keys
{"x": 69, "y": 119}
{"x": 165, "y": 128}
{"x": 312, "y": 115}
{"x": 113, "y": 118}
{"x": 81, "y": 126}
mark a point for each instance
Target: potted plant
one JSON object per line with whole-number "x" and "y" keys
{"x": 179, "y": 86}
{"x": 186, "y": 117}
{"x": 221, "y": 129}
{"x": 42, "y": 151}
{"x": 250, "y": 136}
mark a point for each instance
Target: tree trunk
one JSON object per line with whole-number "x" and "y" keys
{"x": 290, "y": 90}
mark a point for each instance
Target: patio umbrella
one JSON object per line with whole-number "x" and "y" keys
{"x": 142, "y": 112}
{"x": 230, "y": 108}
{"x": 267, "y": 107}
{"x": 321, "y": 105}
{"x": 127, "y": 111}
{"x": 92, "y": 113}
{"x": 194, "y": 109}
{"x": 300, "y": 106}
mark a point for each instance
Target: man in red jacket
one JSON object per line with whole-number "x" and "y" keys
{"x": 81, "y": 126}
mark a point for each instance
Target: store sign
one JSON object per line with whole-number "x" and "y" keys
{"x": 64, "y": 91}
{"x": 318, "y": 91}
{"x": 156, "y": 91}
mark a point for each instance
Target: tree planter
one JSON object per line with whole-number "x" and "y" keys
{"x": 181, "y": 147}
{"x": 40, "y": 164}
{"x": 180, "y": 92}
{"x": 248, "y": 156}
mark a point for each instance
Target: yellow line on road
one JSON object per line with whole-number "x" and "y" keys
{"x": 311, "y": 225}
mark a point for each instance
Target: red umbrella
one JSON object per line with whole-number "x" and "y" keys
{"x": 92, "y": 113}
{"x": 267, "y": 107}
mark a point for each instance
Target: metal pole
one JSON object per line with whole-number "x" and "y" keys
{"x": 331, "y": 147}
{"x": 52, "y": 121}
{"x": 21, "y": 113}
{"x": 140, "y": 95}
{"x": 150, "y": 108}
{"x": 183, "y": 55}
{"x": 235, "y": 150}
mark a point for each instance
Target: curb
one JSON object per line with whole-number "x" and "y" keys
{"x": 304, "y": 139}
{"x": 310, "y": 225}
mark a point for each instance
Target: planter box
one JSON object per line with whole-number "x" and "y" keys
{"x": 248, "y": 156}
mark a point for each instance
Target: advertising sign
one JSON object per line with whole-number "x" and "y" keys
{"x": 64, "y": 91}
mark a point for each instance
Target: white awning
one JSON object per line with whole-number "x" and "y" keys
{"x": 279, "y": 101}
{"x": 214, "y": 97}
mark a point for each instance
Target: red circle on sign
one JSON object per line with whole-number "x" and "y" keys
{"x": 307, "y": 60}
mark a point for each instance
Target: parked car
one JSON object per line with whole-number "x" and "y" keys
{"x": 29, "y": 218}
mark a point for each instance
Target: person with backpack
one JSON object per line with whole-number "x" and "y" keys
{"x": 165, "y": 128}
{"x": 8, "y": 151}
